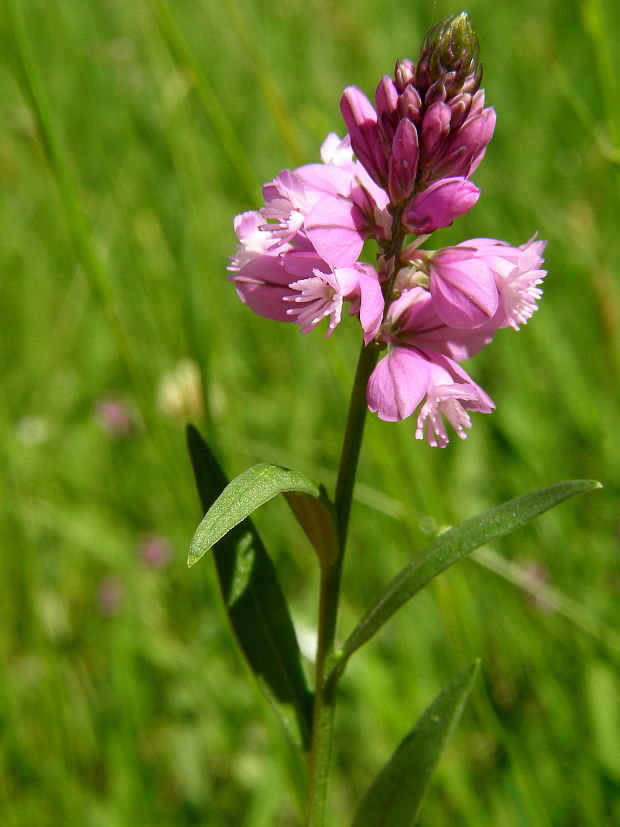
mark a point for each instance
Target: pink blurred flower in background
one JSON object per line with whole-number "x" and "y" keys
{"x": 111, "y": 595}
{"x": 116, "y": 417}
{"x": 155, "y": 551}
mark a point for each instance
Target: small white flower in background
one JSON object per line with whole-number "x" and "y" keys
{"x": 179, "y": 395}
{"x": 33, "y": 430}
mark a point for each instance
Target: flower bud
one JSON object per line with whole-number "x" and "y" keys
{"x": 361, "y": 121}
{"x": 410, "y": 104}
{"x": 450, "y": 53}
{"x": 404, "y": 73}
{"x": 403, "y": 163}
{"x": 438, "y": 205}
{"x": 386, "y": 103}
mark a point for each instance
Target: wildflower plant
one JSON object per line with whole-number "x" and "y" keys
{"x": 401, "y": 172}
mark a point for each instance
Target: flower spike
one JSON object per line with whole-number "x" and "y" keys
{"x": 402, "y": 172}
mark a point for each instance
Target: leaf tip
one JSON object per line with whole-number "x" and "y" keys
{"x": 194, "y": 554}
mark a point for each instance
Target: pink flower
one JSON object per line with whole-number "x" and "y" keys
{"x": 301, "y": 287}
{"x": 403, "y": 169}
{"x": 484, "y": 282}
{"x": 337, "y": 152}
{"x": 324, "y": 208}
{"x": 415, "y": 322}
{"x": 407, "y": 374}
{"x": 323, "y": 294}
{"x": 451, "y": 394}
{"x": 253, "y": 239}
{"x": 297, "y": 259}
{"x": 155, "y": 551}
{"x": 420, "y": 364}
{"x": 290, "y": 197}
{"x": 116, "y": 417}
{"x": 111, "y": 595}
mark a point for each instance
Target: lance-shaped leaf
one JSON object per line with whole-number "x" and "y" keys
{"x": 318, "y": 520}
{"x": 395, "y": 796}
{"x": 255, "y": 604}
{"x": 249, "y": 491}
{"x": 452, "y": 546}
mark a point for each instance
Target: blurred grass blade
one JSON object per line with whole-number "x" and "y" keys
{"x": 28, "y": 77}
{"x": 450, "y": 547}
{"x": 228, "y": 138}
{"x": 245, "y": 494}
{"x": 256, "y": 605}
{"x": 395, "y": 796}
{"x": 602, "y": 691}
{"x": 282, "y": 116}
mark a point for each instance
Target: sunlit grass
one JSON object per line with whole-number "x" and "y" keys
{"x": 133, "y": 133}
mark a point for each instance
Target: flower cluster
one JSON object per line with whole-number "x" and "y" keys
{"x": 402, "y": 172}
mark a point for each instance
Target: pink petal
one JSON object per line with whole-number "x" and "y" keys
{"x": 410, "y": 104}
{"x": 262, "y": 284}
{"x": 397, "y": 384}
{"x": 371, "y": 304}
{"x": 464, "y": 295}
{"x": 264, "y": 269}
{"x": 302, "y": 264}
{"x": 335, "y": 226}
{"x": 450, "y": 394}
{"x": 419, "y": 325}
{"x": 264, "y": 299}
{"x": 337, "y": 152}
{"x": 326, "y": 178}
{"x": 438, "y": 205}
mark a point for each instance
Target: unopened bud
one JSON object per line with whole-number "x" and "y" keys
{"x": 404, "y": 73}
{"x": 450, "y": 53}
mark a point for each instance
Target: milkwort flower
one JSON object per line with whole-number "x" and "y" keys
{"x": 403, "y": 170}
{"x": 421, "y": 363}
{"x": 297, "y": 258}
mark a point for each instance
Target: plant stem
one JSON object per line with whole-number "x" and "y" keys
{"x": 325, "y": 689}
{"x": 324, "y": 699}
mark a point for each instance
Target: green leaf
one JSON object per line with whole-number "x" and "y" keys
{"x": 255, "y": 604}
{"x": 249, "y": 491}
{"x": 318, "y": 520}
{"x": 395, "y": 796}
{"x": 452, "y": 546}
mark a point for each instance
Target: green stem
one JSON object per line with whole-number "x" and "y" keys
{"x": 326, "y": 677}
{"x": 324, "y": 698}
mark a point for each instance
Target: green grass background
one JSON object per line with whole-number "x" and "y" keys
{"x": 131, "y": 134}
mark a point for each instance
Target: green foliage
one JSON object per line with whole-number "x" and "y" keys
{"x": 452, "y": 546}
{"x": 395, "y": 796}
{"x": 141, "y": 710}
{"x": 253, "y": 488}
{"x": 251, "y": 591}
